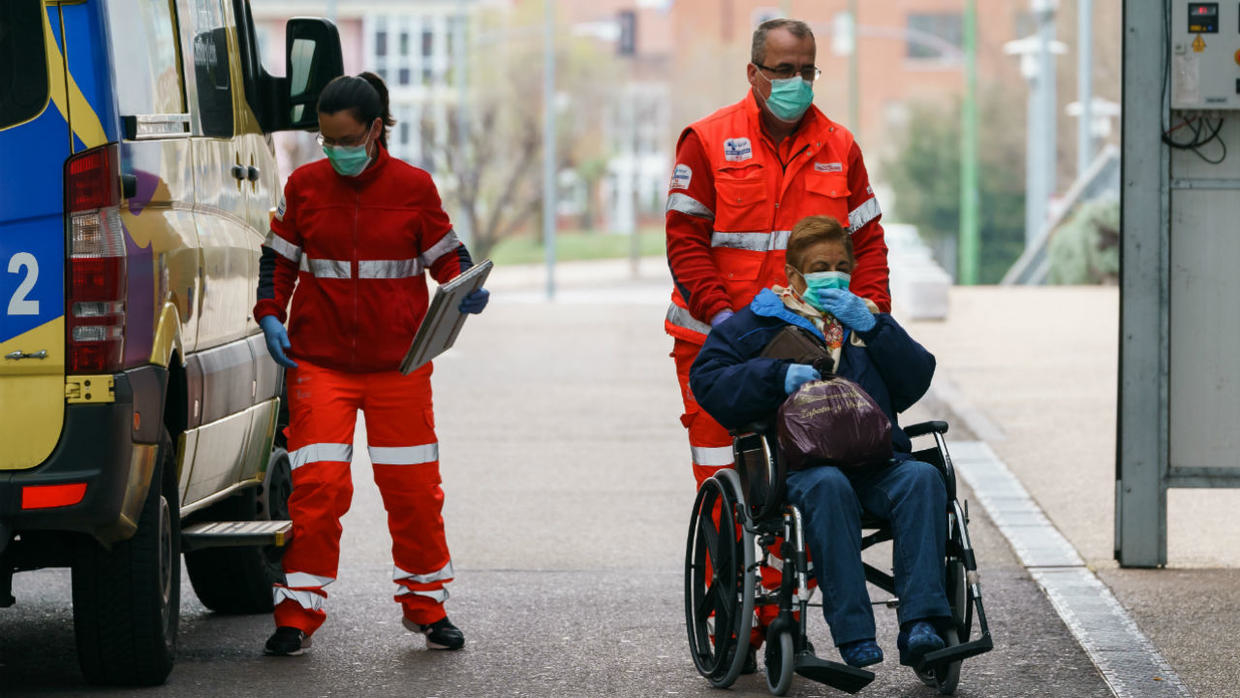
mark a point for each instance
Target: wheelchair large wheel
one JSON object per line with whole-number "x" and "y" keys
{"x": 719, "y": 584}
{"x": 779, "y": 661}
{"x": 945, "y": 678}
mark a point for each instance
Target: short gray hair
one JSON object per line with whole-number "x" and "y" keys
{"x": 796, "y": 27}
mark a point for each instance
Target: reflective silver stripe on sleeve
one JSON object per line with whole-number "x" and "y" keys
{"x": 303, "y": 580}
{"x": 306, "y": 599}
{"x": 861, "y": 216}
{"x": 689, "y": 206}
{"x": 437, "y": 595}
{"x": 282, "y": 247}
{"x": 388, "y": 268}
{"x": 404, "y": 455}
{"x": 445, "y": 245}
{"x": 328, "y": 268}
{"x": 341, "y": 453}
{"x": 680, "y": 317}
{"x": 712, "y": 456}
{"x": 438, "y": 575}
{"x": 754, "y": 242}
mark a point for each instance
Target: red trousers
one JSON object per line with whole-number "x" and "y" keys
{"x": 400, "y": 429}
{"x": 710, "y": 447}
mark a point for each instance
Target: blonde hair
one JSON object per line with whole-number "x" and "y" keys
{"x": 810, "y": 231}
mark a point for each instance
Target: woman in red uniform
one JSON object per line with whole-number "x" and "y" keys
{"x": 354, "y": 235}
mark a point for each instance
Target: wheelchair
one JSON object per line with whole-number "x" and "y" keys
{"x": 741, "y": 512}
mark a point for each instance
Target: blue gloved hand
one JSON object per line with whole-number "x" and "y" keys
{"x": 798, "y": 375}
{"x": 475, "y": 301}
{"x": 848, "y": 308}
{"x": 720, "y": 317}
{"x": 277, "y": 340}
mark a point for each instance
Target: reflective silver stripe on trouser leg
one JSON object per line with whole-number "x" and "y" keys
{"x": 712, "y": 456}
{"x": 301, "y": 587}
{"x": 436, "y": 595}
{"x": 440, "y": 575}
{"x": 312, "y": 453}
{"x": 683, "y": 203}
{"x": 404, "y": 455}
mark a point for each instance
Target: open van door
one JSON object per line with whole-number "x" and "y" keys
{"x": 35, "y": 141}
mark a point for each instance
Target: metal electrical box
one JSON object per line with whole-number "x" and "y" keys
{"x": 1205, "y": 55}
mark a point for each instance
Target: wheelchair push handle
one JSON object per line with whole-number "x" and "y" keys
{"x": 923, "y": 428}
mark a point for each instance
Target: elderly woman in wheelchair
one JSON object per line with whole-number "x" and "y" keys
{"x": 739, "y": 383}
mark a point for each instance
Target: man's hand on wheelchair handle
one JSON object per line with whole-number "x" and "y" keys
{"x": 798, "y": 375}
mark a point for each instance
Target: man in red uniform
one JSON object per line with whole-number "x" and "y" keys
{"x": 743, "y": 177}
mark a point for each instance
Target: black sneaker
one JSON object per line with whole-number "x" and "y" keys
{"x": 287, "y": 642}
{"x": 440, "y": 635}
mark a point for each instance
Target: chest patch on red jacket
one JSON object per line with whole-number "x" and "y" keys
{"x": 737, "y": 149}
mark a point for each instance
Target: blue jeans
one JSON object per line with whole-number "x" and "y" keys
{"x": 912, "y": 497}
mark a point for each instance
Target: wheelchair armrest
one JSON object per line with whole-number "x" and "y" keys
{"x": 762, "y": 427}
{"x": 923, "y": 428}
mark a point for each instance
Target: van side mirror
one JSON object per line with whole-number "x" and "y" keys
{"x": 313, "y": 59}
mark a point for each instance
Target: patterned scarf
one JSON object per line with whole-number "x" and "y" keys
{"x": 825, "y": 322}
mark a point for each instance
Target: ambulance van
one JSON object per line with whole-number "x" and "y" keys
{"x": 138, "y": 405}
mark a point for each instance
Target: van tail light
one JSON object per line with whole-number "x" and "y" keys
{"x": 95, "y": 292}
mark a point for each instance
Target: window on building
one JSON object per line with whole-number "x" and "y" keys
{"x": 935, "y": 36}
{"x": 382, "y": 73}
{"x": 381, "y": 43}
{"x": 403, "y": 76}
{"x": 428, "y": 38}
{"x": 426, "y": 75}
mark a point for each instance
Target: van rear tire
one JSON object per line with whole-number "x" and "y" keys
{"x": 127, "y": 600}
{"x": 238, "y": 580}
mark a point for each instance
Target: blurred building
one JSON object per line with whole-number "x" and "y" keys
{"x": 411, "y": 44}
{"x": 637, "y": 119}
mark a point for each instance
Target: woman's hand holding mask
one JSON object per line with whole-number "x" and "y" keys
{"x": 846, "y": 306}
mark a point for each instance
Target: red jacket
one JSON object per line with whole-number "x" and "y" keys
{"x": 355, "y": 248}
{"x": 735, "y": 196}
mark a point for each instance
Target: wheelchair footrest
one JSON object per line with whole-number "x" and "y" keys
{"x": 957, "y": 653}
{"x": 834, "y": 674}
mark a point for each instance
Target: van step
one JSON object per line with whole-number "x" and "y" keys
{"x": 222, "y": 534}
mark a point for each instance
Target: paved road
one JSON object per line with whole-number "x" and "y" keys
{"x": 568, "y": 491}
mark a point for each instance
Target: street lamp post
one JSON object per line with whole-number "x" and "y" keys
{"x": 549, "y": 155}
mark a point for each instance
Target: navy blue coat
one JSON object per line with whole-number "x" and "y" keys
{"x": 738, "y": 387}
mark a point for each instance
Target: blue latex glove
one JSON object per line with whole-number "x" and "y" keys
{"x": 798, "y": 375}
{"x": 475, "y": 301}
{"x": 848, "y": 308}
{"x": 277, "y": 340}
{"x": 720, "y": 317}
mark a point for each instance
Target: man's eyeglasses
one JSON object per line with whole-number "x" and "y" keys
{"x": 783, "y": 72}
{"x": 351, "y": 142}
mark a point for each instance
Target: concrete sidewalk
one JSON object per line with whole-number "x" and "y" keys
{"x": 1035, "y": 369}
{"x": 1041, "y": 365}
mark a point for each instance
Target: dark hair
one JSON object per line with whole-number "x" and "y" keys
{"x": 799, "y": 29}
{"x": 810, "y": 231}
{"x": 365, "y": 95}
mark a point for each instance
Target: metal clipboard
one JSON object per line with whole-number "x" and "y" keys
{"x": 443, "y": 320}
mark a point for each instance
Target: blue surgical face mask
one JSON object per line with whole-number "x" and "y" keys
{"x": 349, "y": 161}
{"x": 822, "y": 281}
{"x": 790, "y": 98}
